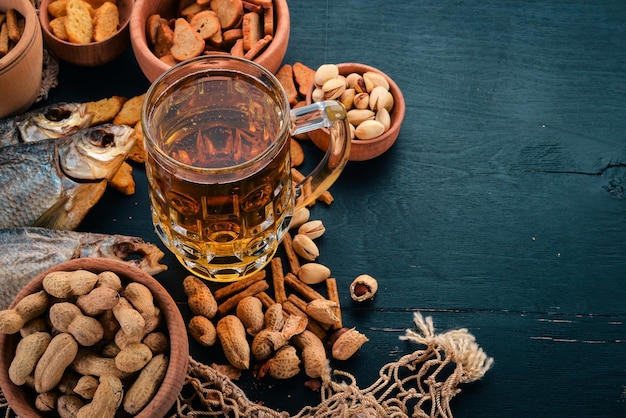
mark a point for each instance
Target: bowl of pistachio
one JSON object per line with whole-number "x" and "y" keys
{"x": 373, "y": 101}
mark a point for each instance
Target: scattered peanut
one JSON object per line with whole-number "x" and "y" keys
{"x": 232, "y": 335}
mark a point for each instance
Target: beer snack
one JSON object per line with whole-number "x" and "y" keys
{"x": 83, "y": 21}
{"x": 235, "y": 27}
{"x": 11, "y": 28}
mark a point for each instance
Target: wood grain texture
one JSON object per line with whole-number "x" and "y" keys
{"x": 500, "y": 208}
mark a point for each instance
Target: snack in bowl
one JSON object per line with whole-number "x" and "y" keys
{"x": 374, "y": 103}
{"x": 21, "y": 56}
{"x": 132, "y": 366}
{"x": 86, "y": 32}
{"x": 166, "y": 32}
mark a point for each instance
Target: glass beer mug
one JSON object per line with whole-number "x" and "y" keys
{"x": 217, "y": 133}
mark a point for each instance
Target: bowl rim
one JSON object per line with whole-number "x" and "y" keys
{"x": 31, "y": 23}
{"x": 44, "y": 20}
{"x": 177, "y": 367}
{"x": 139, "y": 42}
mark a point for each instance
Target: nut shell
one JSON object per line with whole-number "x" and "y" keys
{"x": 363, "y": 288}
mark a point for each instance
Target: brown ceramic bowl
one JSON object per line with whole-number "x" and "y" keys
{"x": 21, "y": 68}
{"x": 271, "y": 58}
{"x": 93, "y": 53}
{"x": 366, "y": 149}
{"x": 22, "y": 399}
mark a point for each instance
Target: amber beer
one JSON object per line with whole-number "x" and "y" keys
{"x": 218, "y": 166}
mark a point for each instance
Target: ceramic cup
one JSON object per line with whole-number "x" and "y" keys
{"x": 217, "y": 131}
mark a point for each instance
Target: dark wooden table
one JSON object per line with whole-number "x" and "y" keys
{"x": 501, "y": 208}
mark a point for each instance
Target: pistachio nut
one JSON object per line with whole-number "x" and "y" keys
{"x": 357, "y": 116}
{"x": 347, "y": 98}
{"x": 359, "y": 85}
{"x": 313, "y": 229}
{"x": 317, "y": 95}
{"x": 352, "y": 131}
{"x": 362, "y": 101}
{"x": 378, "y": 98}
{"x": 333, "y": 88}
{"x": 300, "y": 216}
{"x": 389, "y": 102}
{"x": 373, "y": 79}
{"x": 351, "y": 79}
{"x": 369, "y": 129}
{"x": 322, "y": 310}
{"x": 305, "y": 247}
{"x": 313, "y": 273}
{"x": 324, "y": 73}
{"x": 383, "y": 117}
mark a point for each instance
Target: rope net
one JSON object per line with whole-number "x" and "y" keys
{"x": 420, "y": 384}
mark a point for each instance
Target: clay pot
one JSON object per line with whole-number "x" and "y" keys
{"x": 21, "y": 69}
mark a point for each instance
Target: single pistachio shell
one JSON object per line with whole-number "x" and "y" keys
{"x": 300, "y": 216}
{"x": 313, "y": 229}
{"x": 317, "y": 95}
{"x": 347, "y": 344}
{"x": 383, "y": 117}
{"x": 347, "y": 98}
{"x": 305, "y": 247}
{"x": 361, "y": 101}
{"x": 373, "y": 79}
{"x": 369, "y": 129}
{"x": 359, "y": 85}
{"x": 389, "y": 102}
{"x": 352, "y": 131}
{"x": 356, "y": 116}
{"x": 313, "y": 273}
{"x": 324, "y": 73}
{"x": 364, "y": 287}
{"x": 378, "y": 98}
{"x": 334, "y": 88}
{"x": 351, "y": 79}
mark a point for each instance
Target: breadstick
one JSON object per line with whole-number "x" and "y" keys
{"x": 333, "y": 294}
{"x": 231, "y": 303}
{"x": 292, "y": 257}
{"x": 302, "y": 288}
{"x": 239, "y": 285}
{"x": 278, "y": 279}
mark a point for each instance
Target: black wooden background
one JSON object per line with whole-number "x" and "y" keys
{"x": 500, "y": 209}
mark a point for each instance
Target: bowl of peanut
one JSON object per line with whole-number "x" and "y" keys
{"x": 88, "y": 33}
{"x": 167, "y": 32}
{"x": 95, "y": 335}
{"x": 373, "y": 101}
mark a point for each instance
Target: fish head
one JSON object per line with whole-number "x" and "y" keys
{"x": 95, "y": 153}
{"x": 54, "y": 121}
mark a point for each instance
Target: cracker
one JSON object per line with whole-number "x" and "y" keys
{"x": 258, "y": 47}
{"x": 57, "y": 8}
{"x": 237, "y": 49}
{"x": 205, "y": 23}
{"x": 138, "y": 152}
{"x": 106, "y": 21}
{"x": 285, "y": 77}
{"x": 105, "y": 110}
{"x": 303, "y": 76}
{"x": 57, "y": 26}
{"x": 78, "y": 22}
{"x": 130, "y": 113}
{"x": 123, "y": 180}
{"x": 230, "y": 37}
{"x": 268, "y": 20}
{"x": 229, "y": 12}
{"x": 252, "y": 30}
{"x": 187, "y": 44}
{"x": 164, "y": 39}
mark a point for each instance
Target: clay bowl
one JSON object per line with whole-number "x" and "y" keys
{"x": 94, "y": 53}
{"x": 22, "y": 399}
{"x": 271, "y": 58}
{"x": 366, "y": 149}
{"x": 21, "y": 68}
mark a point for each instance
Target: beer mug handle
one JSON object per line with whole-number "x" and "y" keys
{"x": 329, "y": 114}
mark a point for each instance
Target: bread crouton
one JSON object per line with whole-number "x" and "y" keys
{"x": 130, "y": 113}
{"x": 106, "y": 21}
{"x": 105, "y": 110}
{"x": 78, "y": 22}
{"x": 187, "y": 43}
